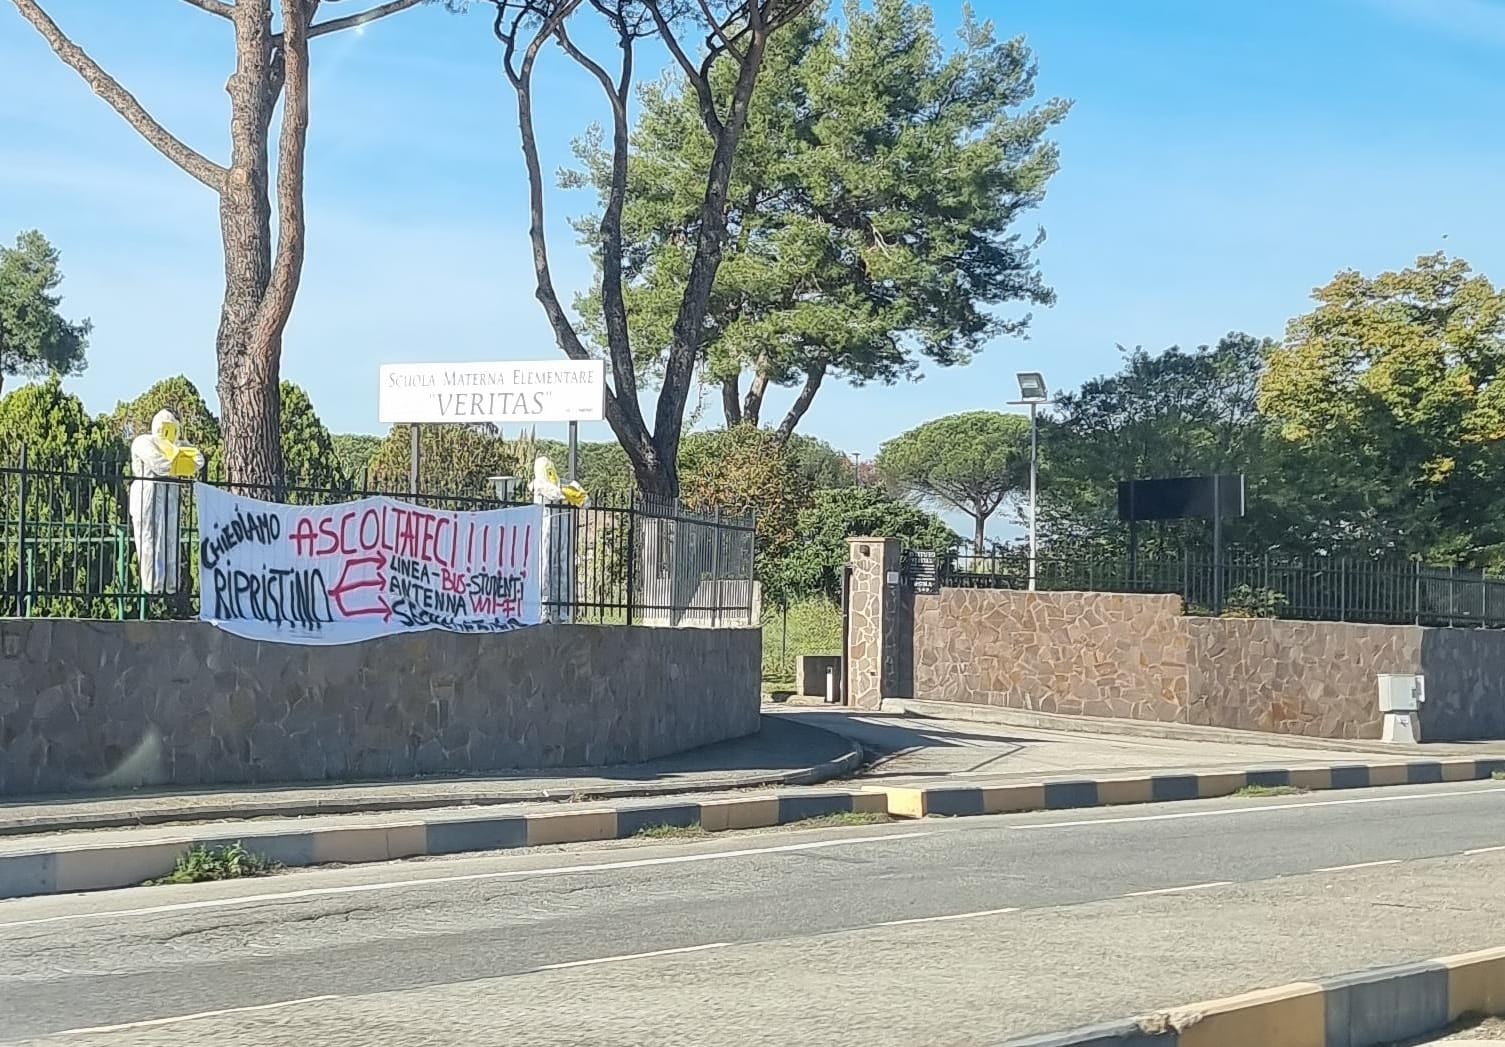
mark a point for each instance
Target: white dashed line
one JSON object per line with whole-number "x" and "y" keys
{"x": 153, "y": 1023}
{"x": 632, "y": 956}
{"x": 1357, "y": 865}
{"x": 1180, "y": 890}
{"x": 942, "y": 919}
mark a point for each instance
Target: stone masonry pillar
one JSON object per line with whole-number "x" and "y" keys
{"x": 873, "y": 626}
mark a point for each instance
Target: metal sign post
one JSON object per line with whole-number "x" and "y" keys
{"x": 415, "y": 453}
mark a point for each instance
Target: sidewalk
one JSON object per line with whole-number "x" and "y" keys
{"x": 783, "y": 752}
{"x": 911, "y": 750}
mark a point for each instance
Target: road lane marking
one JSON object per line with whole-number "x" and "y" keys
{"x": 633, "y": 956}
{"x": 1485, "y": 850}
{"x": 1488, "y": 790}
{"x": 153, "y": 1023}
{"x": 506, "y": 874}
{"x": 1178, "y": 890}
{"x": 942, "y": 919}
{"x": 1357, "y": 865}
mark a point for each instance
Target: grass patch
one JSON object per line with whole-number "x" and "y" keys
{"x": 671, "y": 832}
{"x": 1270, "y": 790}
{"x": 823, "y": 821}
{"x": 226, "y": 862}
{"x": 810, "y": 626}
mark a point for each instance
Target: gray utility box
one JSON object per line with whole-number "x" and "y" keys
{"x": 1401, "y": 696}
{"x": 1402, "y": 693}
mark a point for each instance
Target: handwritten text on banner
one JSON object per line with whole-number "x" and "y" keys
{"x": 353, "y": 571}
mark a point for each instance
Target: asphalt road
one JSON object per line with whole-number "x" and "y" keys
{"x": 944, "y": 932}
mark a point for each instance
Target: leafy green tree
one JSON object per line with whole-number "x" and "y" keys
{"x": 56, "y": 430}
{"x": 820, "y": 464}
{"x": 455, "y": 460}
{"x": 970, "y": 462}
{"x": 1173, "y": 413}
{"x": 35, "y": 339}
{"x": 605, "y": 471}
{"x": 744, "y": 470}
{"x": 711, "y": 42}
{"x": 1393, "y": 387}
{"x": 307, "y": 447}
{"x": 77, "y": 533}
{"x": 181, "y": 397}
{"x": 815, "y": 564}
{"x": 871, "y": 211}
{"x": 354, "y": 452}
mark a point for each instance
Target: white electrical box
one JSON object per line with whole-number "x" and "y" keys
{"x": 1402, "y": 693}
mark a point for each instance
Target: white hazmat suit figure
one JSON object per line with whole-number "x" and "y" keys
{"x": 559, "y": 522}
{"x": 156, "y": 501}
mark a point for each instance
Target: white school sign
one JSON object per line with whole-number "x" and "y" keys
{"x": 510, "y": 391}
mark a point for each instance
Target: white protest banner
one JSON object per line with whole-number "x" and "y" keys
{"x": 526, "y": 391}
{"x": 353, "y": 571}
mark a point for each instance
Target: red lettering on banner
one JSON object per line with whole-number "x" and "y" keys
{"x": 303, "y": 534}
{"x": 429, "y": 542}
{"x": 330, "y": 536}
{"x": 359, "y": 589}
{"x": 388, "y": 544}
{"x": 370, "y": 536}
{"x": 346, "y": 546}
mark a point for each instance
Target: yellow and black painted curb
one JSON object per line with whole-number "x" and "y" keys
{"x": 958, "y": 801}
{"x": 82, "y": 866}
{"x": 56, "y": 868}
{"x": 1373, "y": 1007}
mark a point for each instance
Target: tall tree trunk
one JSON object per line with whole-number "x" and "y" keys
{"x": 259, "y": 287}
{"x": 980, "y": 534}
{"x": 731, "y": 405}
{"x": 813, "y": 377}
{"x": 752, "y": 405}
{"x": 621, "y": 413}
{"x": 684, "y": 350}
{"x": 249, "y": 363}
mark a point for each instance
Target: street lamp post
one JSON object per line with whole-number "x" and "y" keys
{"x": 1033, "y": 393}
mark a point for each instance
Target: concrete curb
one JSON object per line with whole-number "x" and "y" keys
{"x": 64, "y": 869}
{"x": 1133, "y": 728}
{"x": 957, "y": 801}
{"x": 813, "y": 775}
{"x": 1367, "y": 1009}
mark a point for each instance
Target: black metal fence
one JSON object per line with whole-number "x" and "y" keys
{"x": 68, "y": 548}
{"x": 1316, "y": 589}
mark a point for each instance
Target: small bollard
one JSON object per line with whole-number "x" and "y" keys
{"x": 830, "y": 686}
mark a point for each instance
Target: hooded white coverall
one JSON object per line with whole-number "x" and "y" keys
{"x": 557, "y": 586}
{"x": 156, "y": 505}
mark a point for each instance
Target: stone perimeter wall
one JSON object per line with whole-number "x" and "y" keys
{"x": 1137, "y": 657}
{"x": 111, "y": 704}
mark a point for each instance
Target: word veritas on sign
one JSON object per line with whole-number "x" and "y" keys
{"x": 505, "y": 391}
{"x": 357, "y": 570}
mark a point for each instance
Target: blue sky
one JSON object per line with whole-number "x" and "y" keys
{"x": 1222, "y": 159}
